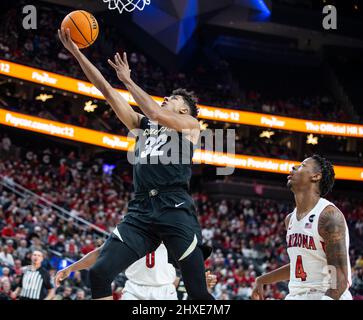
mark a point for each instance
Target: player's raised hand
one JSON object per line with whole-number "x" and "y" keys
{"x": 61, "y": 276}
{"x": 258, "y": 292}
{"x": 65, "y": 38}
{"x": 121, "y": 67}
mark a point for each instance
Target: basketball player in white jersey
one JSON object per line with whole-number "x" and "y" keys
{"x": 154, "y": 278}
{"x": 317, "y": 239}
{"x": 149, "y": 278}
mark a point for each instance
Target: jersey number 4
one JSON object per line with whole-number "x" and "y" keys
{"x": 152, "y": 146}
{"x": 299, "y": 270}
{"x": 150, "y": 260}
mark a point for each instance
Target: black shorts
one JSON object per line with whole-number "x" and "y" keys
{"x": 168, "y": 217}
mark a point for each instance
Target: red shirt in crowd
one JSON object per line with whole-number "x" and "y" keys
{"x": 88, "y": 248}
{"x": 8, "y": 231}
{"x": 52, "y": 239}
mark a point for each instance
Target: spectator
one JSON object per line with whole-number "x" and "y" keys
{"x": 8, "y": 232}
{"x": 5, "y": 290}
{"x": 21, "y": 232}
{"x": 77, "y": 280}
{"x": 5, "y": 274}
{"x": 71, "y": 249}
{"x": 66, "y": 294}
{"x": 359, "y": 262}
{"x": 88, "y": 247}
{"x": 357, "y": 284}
{"x": 22, "y": 250}
{"x": 80, "y": 295}
{"x": 5, "y": 257}
{"x": 6, "y": 144}
{"x": 18, "y": 269}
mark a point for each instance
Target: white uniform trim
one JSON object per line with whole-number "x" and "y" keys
{"x": 190, "y": 249}
{"x": 117, "y": 233}
{"x": 151, "y": 271}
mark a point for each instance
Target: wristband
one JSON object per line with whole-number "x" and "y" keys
{"x": 325, "y": 297}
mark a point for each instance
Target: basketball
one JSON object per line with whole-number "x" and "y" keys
{"x": 83, "y": 27}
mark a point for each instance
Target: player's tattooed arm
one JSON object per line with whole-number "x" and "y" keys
{"x": 332, "y": 229}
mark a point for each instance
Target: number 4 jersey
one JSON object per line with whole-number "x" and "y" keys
{"x": 309, "y": 270}
{"x": 162, "y": 157}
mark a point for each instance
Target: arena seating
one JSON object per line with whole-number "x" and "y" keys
{"x": 61, "y": 201}
{"x": 215, "y": 84}
{"x": 248, "y": 235}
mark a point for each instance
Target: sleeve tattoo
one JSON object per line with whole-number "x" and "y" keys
{"x": 332, "y": 229}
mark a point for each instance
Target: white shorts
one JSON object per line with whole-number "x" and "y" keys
{"x": 133, "y": 291}
{"x": 316, "y": 295}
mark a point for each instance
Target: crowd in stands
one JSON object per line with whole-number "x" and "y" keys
{"x": 211, "y": 81}
{"x": 69, "y": 110}
{"x": 248, "y": 235}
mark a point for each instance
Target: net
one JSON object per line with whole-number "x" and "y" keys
{"x": 127, "y": 5}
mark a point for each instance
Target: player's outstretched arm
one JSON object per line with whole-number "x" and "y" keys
{"x": 84, "y": 263}
{"x": 123, "y": 110}
{"x": 332, "y": 229}
{"x": 280, "y": 274}
{"x": 147, "y": 104}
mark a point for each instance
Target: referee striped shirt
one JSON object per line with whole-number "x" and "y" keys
{"x": 35, "y": 284}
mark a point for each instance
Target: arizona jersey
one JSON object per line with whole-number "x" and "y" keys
{"x": 163, "y": 157}
{"x": 305, "y": 247}
{"x": 152, "y": 270}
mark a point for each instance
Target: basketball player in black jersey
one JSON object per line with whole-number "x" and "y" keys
{"x": 163, "y": 210}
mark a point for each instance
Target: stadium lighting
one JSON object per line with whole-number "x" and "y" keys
{"x": 311, "y": 139}
{"x": 89, "y": 107}
{"x": 263, "y": 7}
{"x": 44, "y": 97}
{"x": 203, "y": 125}
{"x": 266, "y": 134}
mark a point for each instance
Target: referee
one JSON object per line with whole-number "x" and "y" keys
{"x": 35, "y": 282}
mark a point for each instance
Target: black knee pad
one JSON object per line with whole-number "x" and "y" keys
{"x": 100, "y": 282}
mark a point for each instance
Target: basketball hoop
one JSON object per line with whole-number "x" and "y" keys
{"x": 127, "y": 5}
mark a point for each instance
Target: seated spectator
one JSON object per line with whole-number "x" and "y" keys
{"x": 18, "y": 269}
{"x": 6, "y": 274}
{"x": 22, "y": 250}
{"x": 357, "y": 283}
{"x": 80, "y": 295}
{"x": 5, "y": 290}
{"x": 66, "y": 294}
{"x": 6, "y": 258}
